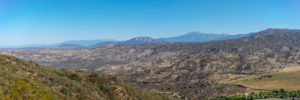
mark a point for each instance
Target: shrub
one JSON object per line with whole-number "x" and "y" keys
{"x": 105, "y": 88}
{"x": 75, "y": 77}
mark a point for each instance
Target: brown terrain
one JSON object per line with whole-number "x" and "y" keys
{"x": 193, "y": 70}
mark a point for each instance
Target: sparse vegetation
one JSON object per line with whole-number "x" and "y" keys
{"x": 193, "y": 70}
{"x": 23, "y": 80}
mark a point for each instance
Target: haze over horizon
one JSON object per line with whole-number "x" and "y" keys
{"x": 24, "y": 22}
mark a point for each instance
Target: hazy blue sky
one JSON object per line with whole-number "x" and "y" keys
{"x": 50, "y": 21}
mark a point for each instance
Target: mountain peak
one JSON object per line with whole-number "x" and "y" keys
{"x": 195, "y": 32}
{"x": 143, "y": 39}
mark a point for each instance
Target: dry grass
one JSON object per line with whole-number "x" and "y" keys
{"x": 291, "y": 69}
{"x": 288, "y": 79}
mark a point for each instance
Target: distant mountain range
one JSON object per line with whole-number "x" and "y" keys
{"x": 86, "y": 42}
{"x": 194, "y": 70}
{"x": 201, "y": 37}
{"x": 189, "y": 37}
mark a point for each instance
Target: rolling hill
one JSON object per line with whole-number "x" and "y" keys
{"x": 193, "y": 70}
{"x": 25, "y": 80}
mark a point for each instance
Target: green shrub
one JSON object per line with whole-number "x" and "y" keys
{"x": 105, "y": 88}
{"x": 64, "y": 91}
{"x": 75, "y": 77}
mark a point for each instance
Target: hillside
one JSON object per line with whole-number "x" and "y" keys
{"x": 191, "y": 69}
{"x": 24, "y": 80}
